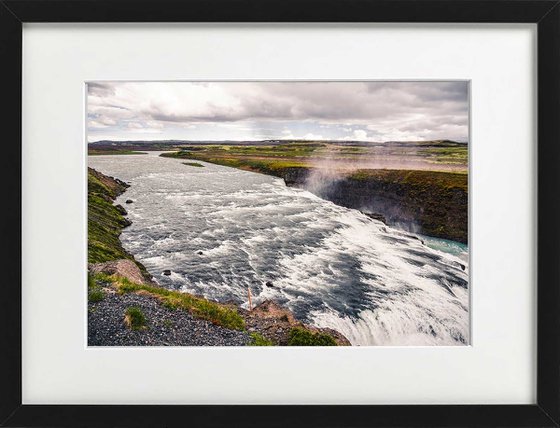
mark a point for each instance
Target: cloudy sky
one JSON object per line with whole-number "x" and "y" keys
{"x": 368, "y": 111}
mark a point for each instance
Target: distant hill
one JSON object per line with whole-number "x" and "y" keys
{"x": 106, "y": 145}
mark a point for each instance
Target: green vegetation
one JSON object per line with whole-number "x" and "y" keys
{"x": 101, "y": 277}
{"x": 105, "y": 220}
{"x": 196, "y": 164}
{"x": 134, "y": 318}
{"x": 91, "y": 281}
{"x": 197, "y": 306}
{"x": 447, "y": 155}
{"x": 441, "y": 179}
{"x": 95, "y": 294}
{"x": 223, "y": 157}
{"x": 302, "y": 337}
{"x": 308, "y": 153}
{"x": 260, "y": 340}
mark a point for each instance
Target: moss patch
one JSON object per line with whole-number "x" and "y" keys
{"x": 302, "y": 337}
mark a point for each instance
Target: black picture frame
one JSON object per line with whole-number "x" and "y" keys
{"x": 544, "y": 13}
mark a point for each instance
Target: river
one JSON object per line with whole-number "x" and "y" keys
{"x": 220, "y": 230}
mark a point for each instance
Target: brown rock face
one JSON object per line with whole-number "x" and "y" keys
{"x": 122, "y": 267}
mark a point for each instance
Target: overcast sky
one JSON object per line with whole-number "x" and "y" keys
{"x": 368, "y": 111}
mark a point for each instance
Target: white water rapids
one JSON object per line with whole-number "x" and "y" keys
{"x": 220, "y": 230}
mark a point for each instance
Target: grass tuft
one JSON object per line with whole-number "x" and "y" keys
{"x": 134, "y": 318}
{"x": 95, "y": 296}
{"x": 260, "y": 340}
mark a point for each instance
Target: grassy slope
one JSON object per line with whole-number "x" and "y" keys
{"x": 106, "y": 221}
{"x": 216, "y": 313}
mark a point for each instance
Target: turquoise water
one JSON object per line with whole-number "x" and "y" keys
{"x": 455, "y": 248}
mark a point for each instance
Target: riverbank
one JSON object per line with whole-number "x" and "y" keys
{"x": 126, "y": 307}
{"x": 429, "y": 202}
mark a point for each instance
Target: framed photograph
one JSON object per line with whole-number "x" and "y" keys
{"x": 344, "y": 213}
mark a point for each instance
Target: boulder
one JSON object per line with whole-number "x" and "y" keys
{"x": 376, "y": 216}
{"x": 270, "y": 309}
{"x": 123, "y": 267}
{"x": 167, "y": 272}
{"x": 121, "y": 209}
{"x": 129, "y": 201}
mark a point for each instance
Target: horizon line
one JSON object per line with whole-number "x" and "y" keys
{"x": 282, "y": 140}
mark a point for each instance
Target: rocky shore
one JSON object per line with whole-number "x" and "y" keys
{"x": 126, "y": 307}
{"x": 164, "y": 327}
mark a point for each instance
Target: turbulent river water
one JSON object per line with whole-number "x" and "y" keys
{"x": 221, "y": 230}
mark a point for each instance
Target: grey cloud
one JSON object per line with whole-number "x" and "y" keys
{"x": 100, "y": 89}
{"x": 401, "y": 106}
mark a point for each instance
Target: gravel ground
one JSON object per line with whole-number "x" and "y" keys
{"x": 165, "y": 327}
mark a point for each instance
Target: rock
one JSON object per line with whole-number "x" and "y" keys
{"x": 269, "y": 284}
{"x": 275, "y": 323}
{"x": 123, "y": 267}
{"x": 462, "y": 266}
{"x": 167, "y": 272}
{"x": 129, "y": 201}
{"x": 200, "y": 253}
{"x": 376, "y": 216}
{"x": 121, "y": 209}
{"x": 269, "y": 309}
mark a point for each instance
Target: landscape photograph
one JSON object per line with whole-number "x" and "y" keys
{"x": 278, "y": 213}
